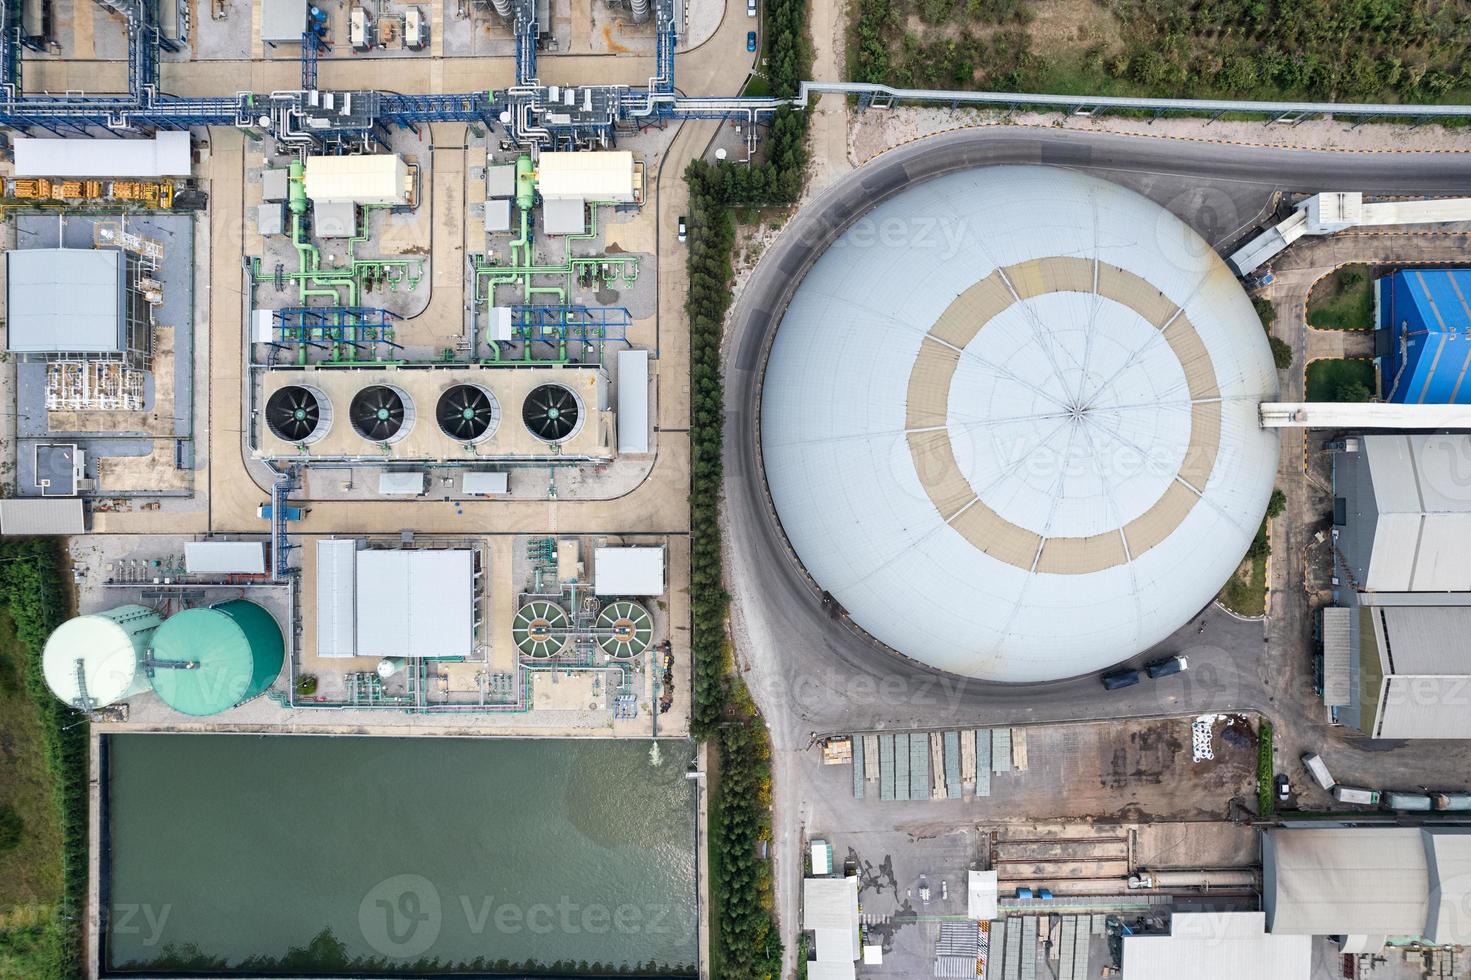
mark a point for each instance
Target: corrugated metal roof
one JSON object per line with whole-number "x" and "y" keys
{"x": 1427, "y": 313}
{"x": 167, "y": 154}
{"x": 337, "y": 597}
{"x": 1450, "y": 873}
{"x": 830, "y": 908}
{"x": 628, "y": 571}
{"x": 66, "y": 300}
{"x": 1423, "y": 707}
{"x": 415, "y": 603}
{"x": 1336, "y": 655}
{"x": 633, "y": 401}
{"x": 1345, "y": 880}
{"x": 1217, "y": 946}
{"x": 42, "y": 515}
{"x": 225, "y": 557}
{"x": 1422, "y": 532}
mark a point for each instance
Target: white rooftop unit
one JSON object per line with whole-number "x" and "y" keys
{"x": 65, "y": 300}
{"x": 225, "y": 557}
{"x": 628, "y": 571}
{"x": 597, "y": 176}
{"x": 497, "y": 215}
{"x": 564, "y": 216}
{"x": 485, "y": 483}
{"x": 337, "y": 597}
{"x": 372, "y": 178}
{"x": 167, "y": 154}
{"x": 282, "y": 21}
{"x": 415, "y": 603}
{"x": 500, "y": 180}
{"x": 399, "y": 483}
{"x": 633, "y": 401}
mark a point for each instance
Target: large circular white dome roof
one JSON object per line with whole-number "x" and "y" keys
{"x": 1009, "y": 422}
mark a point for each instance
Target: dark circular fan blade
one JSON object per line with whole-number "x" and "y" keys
{"x": 292, "y": 413}
{"x": 377, "y": 413}
{"x": 550, "y": 412}
{"x": 465, "y": 412}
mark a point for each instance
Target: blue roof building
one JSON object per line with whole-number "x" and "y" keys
{"x": 1424, "y": 336}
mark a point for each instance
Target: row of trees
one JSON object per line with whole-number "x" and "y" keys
{"x": 745, "y": 942}
{"x": 31, "y": 584}
{"x": 1346, "y": 50}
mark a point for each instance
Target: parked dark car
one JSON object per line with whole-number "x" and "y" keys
{"x": 1117, "y": 679}
{"x": 1166, "y": 667}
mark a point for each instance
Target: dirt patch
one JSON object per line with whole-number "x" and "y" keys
{"x": 1072, "y": 26}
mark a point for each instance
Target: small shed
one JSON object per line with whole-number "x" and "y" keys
{"x": 282, "y": 21}
{"x": 628, "y": 571}
{"x": 401, "y": 483}
{"x": 225, "y": 557}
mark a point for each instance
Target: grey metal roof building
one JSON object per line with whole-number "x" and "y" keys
{"x": 1010, "y": 423}
{"x": 1217, "y": 946}
{"x": 42, "y": 515}
{"x": 1394, "y": 882}
{"x": 66, "y": 301}
{"x": 1394, "y": 656}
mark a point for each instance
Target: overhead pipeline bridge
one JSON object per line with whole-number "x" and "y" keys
{"x": 588, "y": 116}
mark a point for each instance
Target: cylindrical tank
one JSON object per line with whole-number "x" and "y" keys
{"x": 226, "y": 655}
{"x": 296, "y": 187}
{"x": 92, "y": 661}
{"x": 389, "y": 666}
{"x": 525, "y": 183}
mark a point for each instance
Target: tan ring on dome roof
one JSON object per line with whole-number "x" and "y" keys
{"x": 926, "y": 417}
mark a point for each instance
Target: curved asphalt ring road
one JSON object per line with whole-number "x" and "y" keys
{"x": 832, "y": 678}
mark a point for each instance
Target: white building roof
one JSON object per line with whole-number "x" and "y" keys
{"x": 1372, "y": 881}
{"x": 415, "y": 603}
{"x": 401, "y": 483}
{"x": 628, "y": 571}
{"x": 603, "y": 175}
{"x": 1022, "y": 443}
{"x": 225, "y": 557}
{"x": 65, "y": 300}
{"x": 1423, "y": 530}
{"x": 369, "y": 178}
{"x": 483, "y": 482}
{"x": 981, "y": 896}
{"x": 830, "y": 909}
{"x": 1217, "y": 946}
{"x": 337, "y": 597}
{"x": 167, "y": 154}
{"x": 633, "y": 401}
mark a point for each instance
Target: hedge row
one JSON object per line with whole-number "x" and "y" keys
{"x": 32, "y": 585}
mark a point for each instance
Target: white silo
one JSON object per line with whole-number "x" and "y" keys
{"x": 96, "y": 660}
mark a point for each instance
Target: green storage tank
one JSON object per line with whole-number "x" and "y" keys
{"x": 227, "y": 654}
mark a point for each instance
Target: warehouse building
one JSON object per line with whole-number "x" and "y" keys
{"x": 1423, "y": 335}
{"x": 70, "y": 301}
{"x": 1368, "y": 885}
{"x": 1393, "y": 649}
{"x": 1217, "y": 946}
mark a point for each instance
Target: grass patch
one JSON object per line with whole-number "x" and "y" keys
{"x": 1246, "y": 591}
{"x": 1343, "y": 300}
{"x": 1340, "y": 380}
{"x": 757, "y": 87}
{"x": 1266, "y": 791}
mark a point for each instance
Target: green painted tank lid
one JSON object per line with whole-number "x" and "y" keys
{"x": 238, "y": 648}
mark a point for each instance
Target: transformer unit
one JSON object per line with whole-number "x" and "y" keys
{"x": 416, "y": 29}
{"x": 360, "y": 29}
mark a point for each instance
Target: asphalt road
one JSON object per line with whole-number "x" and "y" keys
{"x": 813, "y": 673}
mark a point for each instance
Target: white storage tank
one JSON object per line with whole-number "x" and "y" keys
{"x": 96, "y": 660}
